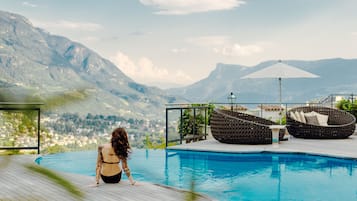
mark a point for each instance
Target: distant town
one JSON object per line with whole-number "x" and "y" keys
{"x": 71, "y": 132}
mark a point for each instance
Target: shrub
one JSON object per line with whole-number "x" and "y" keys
{"x": 347, "y": 106}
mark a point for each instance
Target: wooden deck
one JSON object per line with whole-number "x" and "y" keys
{"x": 18, "y": 183}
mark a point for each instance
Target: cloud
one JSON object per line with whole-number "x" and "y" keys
{"x": 178, "y": 50}
{"x": 124, "y": 63}
{"x": 223, "y": 45}
{"x": 238, "y": 50}
{"x": 146, "y": 68}
{"x": 354, "y": 33}
{"x": 145, "y": 71}
{"x": 25, "y": 3}
{"x": 184, "y": 7}
{"x": 69, "y": 25}
{"x": 180, "y": 75}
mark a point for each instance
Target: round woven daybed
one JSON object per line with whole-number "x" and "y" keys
{"x": 239, "y": 128}
{"x": 340, "y": 124}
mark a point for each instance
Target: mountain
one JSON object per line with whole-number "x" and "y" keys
{"x": 32, "y": 61}
{"x": 337, "y": 75}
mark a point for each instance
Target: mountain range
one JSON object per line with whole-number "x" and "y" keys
{"x": 336, "y": 75}
{"x": 36, "y": 63}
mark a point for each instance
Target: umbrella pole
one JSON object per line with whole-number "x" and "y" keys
{"x": 280, "y": 112}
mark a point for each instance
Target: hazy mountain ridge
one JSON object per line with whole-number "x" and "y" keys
{"x": 33, "y": 60}
{"x": 337, "y": 75}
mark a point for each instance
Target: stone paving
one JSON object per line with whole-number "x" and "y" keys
{"x": 346, "y": 148}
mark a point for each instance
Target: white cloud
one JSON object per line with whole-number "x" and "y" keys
{"x": 124, "y": 63}
{"x": 238, "y": 50}
{"x": 180, "y": 75}
{"x": 69, "y": 25}
{"x": 354, "y": 33}
{"x": 223, "y": 45}
{"x": 178, "y": 50}
{"x": 25, "y": 3}
{"x": 145, "y": 71}
{"x": 183, "y": 7}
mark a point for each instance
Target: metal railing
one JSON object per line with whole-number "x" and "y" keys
{"x": 272, "y": 111}
{"x": 194, "y": 135}
{"x": 16, "y": 107}
{"x": 332, "y": 99}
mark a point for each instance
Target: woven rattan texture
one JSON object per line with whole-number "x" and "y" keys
{"x": 341, "y": 124}
{"x": 239, "y": 128}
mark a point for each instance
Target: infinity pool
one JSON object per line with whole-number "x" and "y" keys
{"x": 230, "y": 177}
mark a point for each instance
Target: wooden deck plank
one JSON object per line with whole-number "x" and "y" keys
{"x": 18, "y": 183}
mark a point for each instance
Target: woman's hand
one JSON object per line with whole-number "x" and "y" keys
{"x": 96, "y": 184}
{"x": 135, "y": 183}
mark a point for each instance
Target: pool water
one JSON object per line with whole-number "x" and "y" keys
{"x": 230, "y": 177}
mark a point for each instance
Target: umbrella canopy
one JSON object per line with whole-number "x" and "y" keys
{"x": 280, "y": 70}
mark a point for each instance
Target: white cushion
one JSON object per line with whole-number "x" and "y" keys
{"x": 321, "y": 118}
{"x": 297, "y": 115}
{"x": 312, "y": 119}
{"x": 302, "y": 117}
{"x": 292, "y": 115}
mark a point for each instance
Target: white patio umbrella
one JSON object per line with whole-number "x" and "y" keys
{"x": 280, "y": 70}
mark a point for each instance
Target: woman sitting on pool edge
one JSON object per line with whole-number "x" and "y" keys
{"x": 109, "y": 157}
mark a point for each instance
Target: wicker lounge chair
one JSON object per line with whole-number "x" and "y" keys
{"x": 239, "y": 128}
{"x": 341, "y": 124}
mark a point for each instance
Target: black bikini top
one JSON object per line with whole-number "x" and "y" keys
{"x": 101, "y": 154}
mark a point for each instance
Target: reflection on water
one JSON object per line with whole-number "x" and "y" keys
{"x": 255, "y": 177}
{"x": 264, "y": 176}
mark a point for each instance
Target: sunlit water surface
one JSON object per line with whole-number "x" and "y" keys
{"x": 228, "y": 177}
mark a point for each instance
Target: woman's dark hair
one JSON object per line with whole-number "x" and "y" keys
{"x": 120, "y": 143}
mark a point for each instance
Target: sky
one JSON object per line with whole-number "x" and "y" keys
{"x": 169, "y": 43}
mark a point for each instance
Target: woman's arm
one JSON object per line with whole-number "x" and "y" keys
{"x": 99, "y": 164}
{"x": 127, "y": 172}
